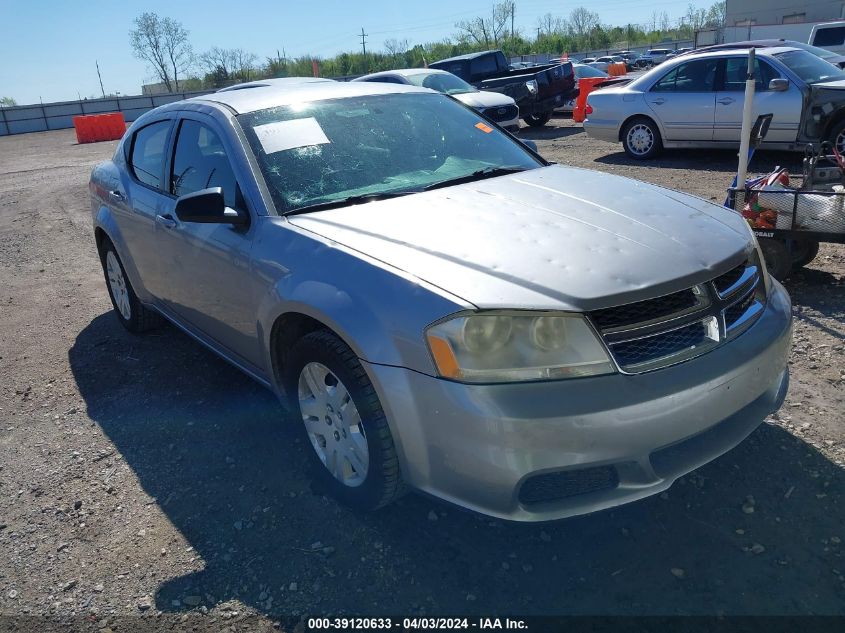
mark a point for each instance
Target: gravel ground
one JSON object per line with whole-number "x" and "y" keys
{"x": 145, "y": 477}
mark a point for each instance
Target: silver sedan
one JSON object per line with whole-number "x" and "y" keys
{"x": 436, "y": 306}
{"x": 495, "y": 106}
{"x": 696, "y": 100}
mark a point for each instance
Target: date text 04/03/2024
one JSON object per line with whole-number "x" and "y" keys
{"x": 416, "y": 623}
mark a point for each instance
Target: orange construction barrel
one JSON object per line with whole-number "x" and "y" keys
{"x": 585, "y": 86}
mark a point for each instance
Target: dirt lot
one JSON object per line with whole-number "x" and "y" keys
{"x": 140, "y": 475}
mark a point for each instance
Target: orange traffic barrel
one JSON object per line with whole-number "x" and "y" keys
{"x": 585, "y": 86}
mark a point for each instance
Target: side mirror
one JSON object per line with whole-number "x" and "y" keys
{"x": 779, "y": 85}
{"x": 529, "y": 144}
{"x": 207, "y": 206}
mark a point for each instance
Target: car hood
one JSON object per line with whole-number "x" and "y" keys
{"x": 484, "y": 99}
{"x": 550, "y": 238}
{"x": 837, "y": 84}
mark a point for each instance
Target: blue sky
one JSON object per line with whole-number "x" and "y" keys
{"x": 48, "y": 49}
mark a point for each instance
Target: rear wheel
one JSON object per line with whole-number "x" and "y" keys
{"x": 354, "y": 456}
{"x": 641, "y": 139}
{"x": 538, "y": 120}
{"x": 778, "y": 257}
{"x": 129, "y": 310}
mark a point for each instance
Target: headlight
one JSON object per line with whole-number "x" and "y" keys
{"x": 516, "y": 346}
{"x": 532, "y": 86}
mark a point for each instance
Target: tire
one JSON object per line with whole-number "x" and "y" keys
{"x": 803, "y": 252}
{"x": 778, "y": 257}
{"x": 365, "y": 473}
{"x": 641, "y": 138}
{"x": 538, "y": 120}
{"x": 837, "y": 136}
{"x": 131, "y": 313}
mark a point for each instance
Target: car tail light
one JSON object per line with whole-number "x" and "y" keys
{"x": 588, "y": 109}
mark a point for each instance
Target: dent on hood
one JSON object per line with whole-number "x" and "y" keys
{"x": 550, "y": 238}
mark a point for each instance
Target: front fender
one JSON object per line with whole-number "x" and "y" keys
{"x": 380, "y": 312}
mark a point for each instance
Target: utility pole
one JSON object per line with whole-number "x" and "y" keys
{"x": 364, "y": 48}
{"x": 538, "y": 33}
{"x": 513, "y": 8}
{"x": 101, "y": 79}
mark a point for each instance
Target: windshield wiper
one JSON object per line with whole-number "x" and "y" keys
{"x": 346, "y": 202}
{"x": 481, "y": 174}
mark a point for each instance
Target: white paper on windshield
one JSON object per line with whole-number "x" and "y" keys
{"x": 282, "y": 135}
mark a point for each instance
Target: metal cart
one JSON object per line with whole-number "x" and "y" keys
{"x": 791, "y": 215}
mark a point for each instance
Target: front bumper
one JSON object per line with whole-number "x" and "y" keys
{"x": 475, "y": 445}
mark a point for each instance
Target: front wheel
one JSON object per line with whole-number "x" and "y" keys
{"x": 354, "y": 456}
{"x": 538, "y": 120}
{"x": 837, "y": 136}
{"x": 641, "y": 139}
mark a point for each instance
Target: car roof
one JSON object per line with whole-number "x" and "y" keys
{"x": 270, "y": 96}
{"x": 711, "y": 52}
{"x": 404, "y": 72}
{"x": 280, "y": 81}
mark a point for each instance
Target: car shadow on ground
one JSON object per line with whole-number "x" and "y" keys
{"x": 547, "y": 133}
{"x": 708, "y": 160}
{"x": 225, "y": 467}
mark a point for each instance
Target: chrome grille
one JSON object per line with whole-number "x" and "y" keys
{"x": 636, "y": 354}
{"x": 644, "y": 311}
{"x": 726, "y": 282}
{"x": 663, "y": 331}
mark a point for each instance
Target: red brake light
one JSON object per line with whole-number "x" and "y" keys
{"x": 588, "y": 109}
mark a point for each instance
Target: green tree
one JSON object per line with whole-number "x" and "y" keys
{"x": 163, "y": 44}
{"x": 7, "y": 102}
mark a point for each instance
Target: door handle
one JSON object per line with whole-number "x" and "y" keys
{"x": 659, "y": 101}
{"x": 726, "y": 100}
{"x": 117, "y": 196}
{"x": 166, "y": 221}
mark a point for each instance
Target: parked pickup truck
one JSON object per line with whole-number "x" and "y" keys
{"x": 537, "y": 90}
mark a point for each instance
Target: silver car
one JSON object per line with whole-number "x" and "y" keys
{"x": 695, "y": 100}
{"x": 438, "y": 307}
{"x": 495, "y": 106}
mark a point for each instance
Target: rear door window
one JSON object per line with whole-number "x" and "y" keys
{"x": 694, "y": 76}
{"x": 737, "y": 67}
{"x": 148, "y": 150}
{"x": 200, "y": 162}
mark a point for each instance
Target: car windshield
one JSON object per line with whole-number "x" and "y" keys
{"x": 325, "y": 152}
{"x": 446, "y": 83}
{"x": 815, "y": 50}
{"x": 810, "y": 68}
{"x": 588, "y": 71}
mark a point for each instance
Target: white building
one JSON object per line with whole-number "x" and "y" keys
{"x": 766, "y": 12}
